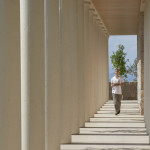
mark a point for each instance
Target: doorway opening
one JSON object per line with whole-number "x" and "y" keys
{"x": 130, "y": 48}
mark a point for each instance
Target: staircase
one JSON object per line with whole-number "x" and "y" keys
{"x": 106, "y": 131}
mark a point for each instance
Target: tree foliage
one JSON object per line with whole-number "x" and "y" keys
{"x": 132, "y": 69}
{"x": 118, "y": 60}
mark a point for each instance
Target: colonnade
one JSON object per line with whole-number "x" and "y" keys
{"x": 54, "y": 71}
{"x": 78, "y": 54}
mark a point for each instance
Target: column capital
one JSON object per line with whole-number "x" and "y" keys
{"x": 87, "y": 2}
{"x": 92, "y": 9}
{"x": 95, "y": 15}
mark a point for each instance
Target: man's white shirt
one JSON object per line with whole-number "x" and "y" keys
{"x": 116, "y": 89}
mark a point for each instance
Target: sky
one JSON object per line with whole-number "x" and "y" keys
{"x": 130, "y": 44}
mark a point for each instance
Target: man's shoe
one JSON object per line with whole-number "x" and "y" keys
{"x": 117, "y": 112}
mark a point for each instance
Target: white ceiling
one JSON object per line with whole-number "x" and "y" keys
{"x": 119, "y": 16}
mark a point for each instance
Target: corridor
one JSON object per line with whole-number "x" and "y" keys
{"x": 105, "y": 131}
{"x": 54, "y": 75}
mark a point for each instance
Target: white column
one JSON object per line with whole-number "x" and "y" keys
{"x": 10, "y": 112}
{"x": 106, "y": 73}
{"x": 97, "y": 68}
{"x": 32, "y": 74}
{"x": 81, "y": 62}
{"x": 74, "y": 66}
{"x": 103, "y": 47}
{"x": 100, "y": 102}
{"x": 66, "y": 61}
{"x": 94, "y": 80}
{"x": 140, "y": 63}
{"x": 69, "y": 48}
{"x": 90, "y": 61}
{"x": 86, "y": 61}
{"x": 54, "y": 79}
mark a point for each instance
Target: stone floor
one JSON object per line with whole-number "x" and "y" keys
{"x": 106, "y": 131}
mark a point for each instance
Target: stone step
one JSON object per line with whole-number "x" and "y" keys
{"x": 120, "y": 124}
{"x": 119, "y": 139}
{"x": 122, "y": 104}
{"x": 122, "y": 112}
{"x": 112, "y": 131}
{"x": 116, "y": 120}
{"x": 118, "y": 116}
{"x": 124, "y": 109}
{"x": 106, "y": 131}
{"x": 103, "y": 147}
{"x": 124, "y": 101}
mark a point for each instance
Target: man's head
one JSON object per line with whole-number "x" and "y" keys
{"x": 117, "y": 72}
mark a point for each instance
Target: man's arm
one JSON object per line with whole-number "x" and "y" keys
{"x": 117, "y": 84}
{"x": 112, "y": 84}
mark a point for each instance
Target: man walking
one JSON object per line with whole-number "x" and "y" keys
{"x": 116, "y": 84}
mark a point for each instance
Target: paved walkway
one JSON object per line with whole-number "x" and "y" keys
{"x": 106, "y": 131}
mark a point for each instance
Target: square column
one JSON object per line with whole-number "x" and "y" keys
{"x": 32, "y": 75}
{"x": 10, "y": 112}
{"x": 140, "y": 63}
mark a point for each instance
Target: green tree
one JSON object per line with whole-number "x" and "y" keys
{"x": 132, "y": 69}
{"x": 118, "y": 60}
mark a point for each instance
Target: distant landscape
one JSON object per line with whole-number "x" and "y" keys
{"x": 130, "y": 43}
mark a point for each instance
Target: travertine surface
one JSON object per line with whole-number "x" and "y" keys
{"x": 140, "y": 63}
{"x": 113, "y": 132}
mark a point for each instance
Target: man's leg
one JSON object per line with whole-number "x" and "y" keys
{"x": 120, "y": 98}
{"x": 115, "y": 101}
{"x": 118, "y": 102}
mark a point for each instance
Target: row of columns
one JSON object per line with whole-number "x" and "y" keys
{"x": 82, "y": 68}
{"x": 54, "y": 71}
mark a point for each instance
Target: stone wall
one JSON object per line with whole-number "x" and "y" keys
{"x": 129, "y": 91}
